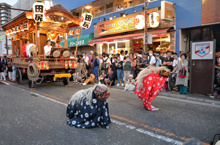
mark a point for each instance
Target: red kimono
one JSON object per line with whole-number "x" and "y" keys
{"x": 152, "y": 85}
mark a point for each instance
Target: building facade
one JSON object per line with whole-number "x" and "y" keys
{"x": 187, "y": 13}
{"x": 5, "y": 16}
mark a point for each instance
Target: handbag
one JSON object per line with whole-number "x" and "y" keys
{"x": 182, "y": 73}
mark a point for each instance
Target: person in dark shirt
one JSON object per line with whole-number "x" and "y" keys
{"x": 110, "y": 79}
{"x": 143, "y": 62}
{"x": 114, "y": 67}
{"x": 168, "y": 61}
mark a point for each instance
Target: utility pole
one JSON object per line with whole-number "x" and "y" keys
{"x": 6, "y": 45}
{"x": 145, "y": 29}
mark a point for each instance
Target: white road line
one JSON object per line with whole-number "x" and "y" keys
{"x": 167, "y": 139}
{"x": 5, "y": 83}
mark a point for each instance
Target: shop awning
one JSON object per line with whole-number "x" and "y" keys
{"x": 126, "y": 37}
{"x": 83, "y": 40}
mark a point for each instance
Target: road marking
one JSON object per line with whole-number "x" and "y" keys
{"x": 55, "y": 99}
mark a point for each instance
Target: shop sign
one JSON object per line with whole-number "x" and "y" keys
{"x": 72, "y": 43}
{"x": 154, "y": 19}
{"x": 202, "y": 50}
{"x": 120, "y": 25}
{"x": 166, "y": 10}
{"x": 159, "y": 35}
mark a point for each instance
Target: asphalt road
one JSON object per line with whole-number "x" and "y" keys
{"x": 38, "y": 116}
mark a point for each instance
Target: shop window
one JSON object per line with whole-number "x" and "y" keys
{"x": 112, "y": 48}
{"x": 98, "y": 11}
{"x": 123, "y": 45}
{"x": 123, "y": 4}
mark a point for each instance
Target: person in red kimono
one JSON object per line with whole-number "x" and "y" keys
{"x": 148, "y": 85}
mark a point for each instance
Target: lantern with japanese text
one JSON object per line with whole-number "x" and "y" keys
{"x": 154, "y": 19}
{"x": 61, "y": 34}
{"x": 39, "y": 11}
{"x": 77, "y": 31}
{"x": 86, "y": 20}
{"x": 21, "y": 28}
{"x": 139, "y": 21}
{"x": 25, "y": 26}
{"x": 6, "y": 32}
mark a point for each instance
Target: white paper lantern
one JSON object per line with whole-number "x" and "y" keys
{"x": 154, "y": 20}
{"x": 86, "y": 20}
{"x": 39, "y": 11}
{"x": 139, "y": 21}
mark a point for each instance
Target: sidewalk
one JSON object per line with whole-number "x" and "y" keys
{"x": 193, "y": 97}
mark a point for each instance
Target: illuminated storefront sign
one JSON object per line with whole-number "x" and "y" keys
{"x": 122, "y": 24}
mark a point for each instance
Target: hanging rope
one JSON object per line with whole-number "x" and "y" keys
{"x": 33, "y": 73}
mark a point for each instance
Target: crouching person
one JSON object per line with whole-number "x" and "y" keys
{"x": 130, "y": 84}
{"x": 89, "y": 108}
{"x": 110, "y": 79}
{"x": 90, "y": 79}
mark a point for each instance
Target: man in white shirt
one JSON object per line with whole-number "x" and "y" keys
{"x": 151, "y": 58}
{"x": 175, "y": 61}
{"x": 28, "y": 46}
{"x": 86, "y": 58}
{"x": 47, "y": 48}
{"x": 122, "y": 53}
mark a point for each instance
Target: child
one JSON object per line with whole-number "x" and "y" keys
{"x": 130, "y": 84}
{"x": 101, "y": 77}
{"x": 14, "y": 68}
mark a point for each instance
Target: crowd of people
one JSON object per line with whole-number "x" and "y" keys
{"x": 122, "y": 69}
{"x": 6, "y": 70}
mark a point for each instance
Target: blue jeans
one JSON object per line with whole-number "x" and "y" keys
{"x": 95, "y": 72}
{"x": 120, "y": 74}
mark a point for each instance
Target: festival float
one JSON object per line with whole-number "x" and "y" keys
{"x": 38, "y": 26}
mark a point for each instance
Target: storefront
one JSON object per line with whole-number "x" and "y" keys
{"x": 83, "y": 43}
{"x": 127, "y": 33}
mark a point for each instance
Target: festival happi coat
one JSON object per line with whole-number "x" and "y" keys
{"x": 148, "y": 85}
{"x": 89, "y": 108}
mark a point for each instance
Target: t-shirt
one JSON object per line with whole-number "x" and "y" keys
{"x": 86, "y": 59}
{"x": 120, "y": 65}
{"x": 28, "y": 49}
{"x": 170, "y": 67}
{"x": 145, "y": 61}
{"x": 47, "y": 50}
{"x": 121, "y": 58}
{"x": 175, "y": 62}
{"x": 127, "y": 66}
{"x": 151, "y": 59}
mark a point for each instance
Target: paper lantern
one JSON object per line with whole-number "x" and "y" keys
{"x": 86, "y": 20}
{"x": 154, "y": 20}
{"x": 21, "y": 28}
{"x": 139, "y": 21}
{"x": 71, "y": 32}
{"x": 61, "y": 34}
{"x": 39, "y": 11}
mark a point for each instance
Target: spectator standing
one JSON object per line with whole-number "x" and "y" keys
{"x": 95, "y": 64}
{"x": 127, "y": 68}
{"x": 176, "y": 60}
{"x": 168, "y": 61}
{"x": 5, "y": 64}
{"x": 151, "y": 58}
{"x": 90, "y": 58}
{"x": 105, "y": 63}
{"x": 114, "y": 67}
{"x": 2, "y": 71}
{"x": 158, "y": 61}
{"x": 100, "y": 63}
{"x": 141, "y": 50}
{"x": 81, "y": 60}
{"x": 86, "y": 60}
{"x": 126, "y": 53}
{"x": 180, "y": 52}
{"x": 161, "y": 57}
{"x": 133, "y": 65}
{"x": 120, "y": 73}
{"x": 180, "y": 80}
{"x": 9, "y": 67}
{"x": 217, "y": 69}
